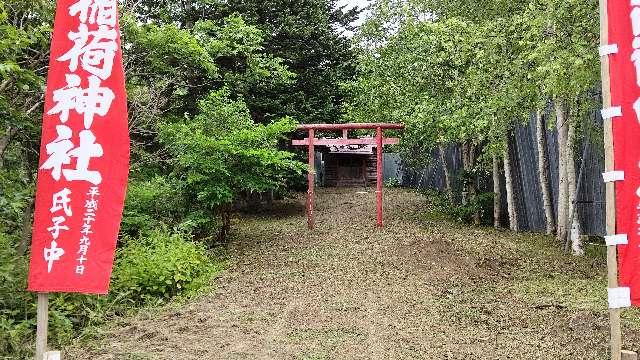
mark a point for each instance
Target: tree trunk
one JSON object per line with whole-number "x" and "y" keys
{"x": 226, "y": 225}
{"x": 25, "y": 238}
{"x": 5, "y": 140}
{"x": 511, "y": 196}
{"x": 4, "y": 84}
{"x": 473, "y": 182}
{"x": 563, "y": 180}
{"x": 574, "y": 229}
{"x": 497, "y": 194}
{"x": 543, "y": 173}
{"x": 187, "y": 7}
{"x": 447, "y": 175}
{"x": 465, "y": 167}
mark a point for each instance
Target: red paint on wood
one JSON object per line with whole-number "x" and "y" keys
{"x": 311, "y": 177}
{"x": 353, "y": 126}
{"x": 346, "y": 142}
{"x": 379, "y": 175}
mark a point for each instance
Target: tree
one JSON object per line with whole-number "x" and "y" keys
{"x": 560, "y": 42}
{"x": 465, "y": 73}
{"x": 543, "y": 172}
{"x": 190, "y": 122}
{"x": 308, "y": 36}
{"x": 196, "y": 150}
{"x": 434, "y": 75}
{"x": 220, "y": 155}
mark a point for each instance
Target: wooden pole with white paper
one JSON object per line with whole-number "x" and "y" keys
{"x": 612, "y": 257}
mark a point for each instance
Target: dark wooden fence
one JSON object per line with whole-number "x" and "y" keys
{"x": 590, "y": 199}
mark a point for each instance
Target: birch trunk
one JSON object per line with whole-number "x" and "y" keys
{"x": 574, "y": 229}
{"x": 497, "y": 194}
{"x": 473, "y": 181}
{"x": 563, "y": 181}
{"x": 543, "y": 173}
{"x": 511, "y": 196}
{"x": 447, "y": 174}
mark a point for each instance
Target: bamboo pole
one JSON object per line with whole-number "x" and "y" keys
{"x": 42, "y": 325}
{"x": 612, "y": 260}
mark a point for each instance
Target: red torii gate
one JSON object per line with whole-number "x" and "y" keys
{"x": 311, "y": 142}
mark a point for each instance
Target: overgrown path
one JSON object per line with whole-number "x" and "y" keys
{"x": 420, "y": 289}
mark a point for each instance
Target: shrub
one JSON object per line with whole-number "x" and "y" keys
{"x": 481, "y": 203}
{"x": 150, "y": 205}
{"x": 15, "y": 309}
{"x": 160, "y": 265}
{"x": 392, "y": 183}
{"x": 149, "y": 270}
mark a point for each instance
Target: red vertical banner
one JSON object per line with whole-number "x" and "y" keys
{"x": 84, "y": 155}
{"x": 624, "y": 60}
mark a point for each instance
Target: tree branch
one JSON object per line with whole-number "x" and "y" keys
{"x": 4, "y": 84}
{"x": 35, "y": 106}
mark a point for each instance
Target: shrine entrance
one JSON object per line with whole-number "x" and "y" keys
{"x": 351, "y": 170}
{"x": 348, "y": 168}
{"x": 350, "y": 162}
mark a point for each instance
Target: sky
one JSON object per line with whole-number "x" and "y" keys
{"x": 359, "y": 3}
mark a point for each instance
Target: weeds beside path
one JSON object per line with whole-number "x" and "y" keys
{"x": 422, "y": 288}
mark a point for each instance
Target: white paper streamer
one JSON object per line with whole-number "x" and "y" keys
{"x": 611, "y": 112}
{"x": 619, "y": 297}
{"x": 606, "y": 50}
{"x": 613, "y": 176}
{"x": 621, "y": 239}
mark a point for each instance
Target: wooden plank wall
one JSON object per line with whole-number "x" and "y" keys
{"x": 591, "y": 198}
{"x": 331, "y": 170}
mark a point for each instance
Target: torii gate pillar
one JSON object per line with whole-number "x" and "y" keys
{"x": 379, "y": 171}
{"x": 311, "y": 179}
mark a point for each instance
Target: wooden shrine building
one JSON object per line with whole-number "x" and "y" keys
{"x": 349, "y": 165}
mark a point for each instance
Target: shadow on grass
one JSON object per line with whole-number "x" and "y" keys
{"x": 279, "y": 209}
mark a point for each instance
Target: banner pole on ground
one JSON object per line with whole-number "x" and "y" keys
{"x": 612, "y": 254}
{"x": 612, "y": 261}
{"x": 42, "y": 325}
{"x": 84, "y": 159}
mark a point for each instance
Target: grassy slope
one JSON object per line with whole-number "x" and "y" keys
{"x": 531, "y": 287}
{"x": 424, "y": 288}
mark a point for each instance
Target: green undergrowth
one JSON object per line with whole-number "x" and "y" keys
{"x": 441, "y": 207}
{"x": 152, "y": 269}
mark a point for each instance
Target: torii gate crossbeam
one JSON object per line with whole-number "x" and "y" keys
{"x": 379, "y": 141}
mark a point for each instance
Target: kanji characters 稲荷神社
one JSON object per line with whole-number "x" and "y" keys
{"x": 90, "y": 60}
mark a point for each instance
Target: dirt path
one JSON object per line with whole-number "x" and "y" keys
{"x": 420, "y": 289}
